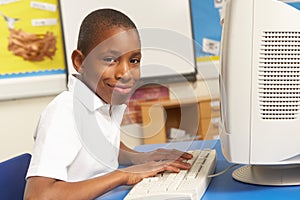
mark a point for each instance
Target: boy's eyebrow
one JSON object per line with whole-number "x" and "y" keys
{"x": 137, "y": 54}
{"x": 114, "y": 52}
{"x": 118, "y": 53}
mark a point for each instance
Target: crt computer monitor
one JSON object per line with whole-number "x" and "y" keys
{"x": 260, "y": 91}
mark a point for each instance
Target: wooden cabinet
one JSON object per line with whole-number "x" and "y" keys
{"x": 198, "y": 117}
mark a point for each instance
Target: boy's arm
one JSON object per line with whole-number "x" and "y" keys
{"x": 48, "y": 188}
{"x": 127, "y": 149}
{"x": 39, "y": 188}
{"x": 127, "y": 155}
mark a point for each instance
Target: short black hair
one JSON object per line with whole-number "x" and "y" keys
{"x": 98, "y": 21}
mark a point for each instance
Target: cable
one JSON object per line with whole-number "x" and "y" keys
{"x": 222, "y": 172}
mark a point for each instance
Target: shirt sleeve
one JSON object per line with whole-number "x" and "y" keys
{"x": 56, "y": 142}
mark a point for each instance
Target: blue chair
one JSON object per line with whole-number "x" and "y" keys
{"x": 12, "y": 177}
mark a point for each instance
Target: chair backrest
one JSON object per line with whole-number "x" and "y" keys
{"x": 12, "y": 177}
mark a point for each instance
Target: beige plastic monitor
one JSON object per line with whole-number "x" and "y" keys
{"x": 260, "y": 91}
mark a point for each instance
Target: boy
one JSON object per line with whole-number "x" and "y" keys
{"x": 77, "y": 145}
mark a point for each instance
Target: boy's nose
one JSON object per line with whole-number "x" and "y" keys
{"x": 122, "y": 71}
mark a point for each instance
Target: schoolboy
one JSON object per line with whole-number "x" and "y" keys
{"x": 69, "y": 160}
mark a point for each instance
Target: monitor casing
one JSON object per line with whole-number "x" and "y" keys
{"x": 260, "y": 83}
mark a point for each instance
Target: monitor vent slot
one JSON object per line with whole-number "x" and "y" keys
{"x": 279, "y": 75}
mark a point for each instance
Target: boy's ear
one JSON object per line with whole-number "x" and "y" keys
{"x": 77, "y": 60}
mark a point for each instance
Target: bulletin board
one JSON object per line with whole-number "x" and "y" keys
{"x": 207, "y": 29}
{"x": 162, "y": 61}
{"x": 294, "y": 3}
{"x": 31, "y": 48}
{"x": 206, "y": 16}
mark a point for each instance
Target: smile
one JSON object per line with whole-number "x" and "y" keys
{"x": 122, "y": 89}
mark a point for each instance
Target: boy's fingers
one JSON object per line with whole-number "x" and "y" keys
{"x": 186, "y": 155}
{"x": 175, "y": 164}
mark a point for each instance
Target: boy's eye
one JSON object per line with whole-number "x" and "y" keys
{"x": 135, "y": 61}
{"x": 109, "y": 60}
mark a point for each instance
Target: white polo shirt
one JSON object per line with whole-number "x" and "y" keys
{"x": 77, "y": 137}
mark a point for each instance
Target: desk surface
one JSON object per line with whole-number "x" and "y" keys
{"x": 223, "y": 187}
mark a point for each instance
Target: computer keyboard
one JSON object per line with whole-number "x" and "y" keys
{"x": 185, "y": 185}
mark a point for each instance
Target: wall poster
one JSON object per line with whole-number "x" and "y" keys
{"x": 32, "y": 55}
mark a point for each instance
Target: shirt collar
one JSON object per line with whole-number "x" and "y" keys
{"x": 88, "y": 98}
{"x": 84, "y": 94}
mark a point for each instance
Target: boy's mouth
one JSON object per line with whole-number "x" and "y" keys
{"x": 122, "y": 89}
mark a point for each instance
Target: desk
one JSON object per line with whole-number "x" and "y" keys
{"x": 222, "y": 187}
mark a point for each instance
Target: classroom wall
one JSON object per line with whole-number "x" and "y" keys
{"x": 18, "y": 119}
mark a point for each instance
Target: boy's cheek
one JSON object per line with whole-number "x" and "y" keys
{"x": 137, "y": 73}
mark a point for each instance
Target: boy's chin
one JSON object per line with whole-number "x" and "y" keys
{"x": 119, "y": 99}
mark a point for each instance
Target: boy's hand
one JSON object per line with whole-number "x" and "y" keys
{"x": 161, "y": 155}
{"x": 136, "y": 173}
